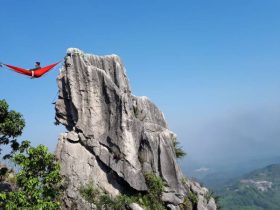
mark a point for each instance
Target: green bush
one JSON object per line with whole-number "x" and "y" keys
{"x": 179, "y": 152}
{"x": 39, "y": 182}
{"x": 11, "y": 123}
{"x": 190, "y": 201}
{"x": 11, "y": 126}
{"x": 155, "y": 185}
{"x": 103, "y": 200}
{"x": 186, "y": 205}
{"x": 90, "y": 193}
{"x": 120, "y": 202}
{"x": 193, "y": 197}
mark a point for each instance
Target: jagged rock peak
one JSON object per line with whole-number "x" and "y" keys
{"x": 114, "y": 138}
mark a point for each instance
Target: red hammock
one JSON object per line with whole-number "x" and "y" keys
{"x": 36, "y": 73}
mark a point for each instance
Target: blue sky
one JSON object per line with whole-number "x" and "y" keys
{"x": 204, "y": 63}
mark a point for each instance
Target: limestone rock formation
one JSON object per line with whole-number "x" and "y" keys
{"x": 113, "y": 137}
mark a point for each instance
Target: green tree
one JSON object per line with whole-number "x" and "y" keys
{"x": 11, "y": 126}
{"x": 38, "y": 181}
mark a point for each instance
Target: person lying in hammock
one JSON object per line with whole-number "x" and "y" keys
{"x": 36, "y": 72}
{"x": 37, "y": 66}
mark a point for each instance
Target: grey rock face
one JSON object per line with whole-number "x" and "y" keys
{"x": 135, "y": 206}
{"x": 114, "y": 137}
{"x": 202, "y": 193}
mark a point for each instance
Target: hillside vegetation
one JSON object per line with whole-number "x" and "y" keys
{"x": 259, "y": 190}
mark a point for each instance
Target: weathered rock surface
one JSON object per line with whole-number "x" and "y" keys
{"x": 7, "y": 182}
{"x": 114, "y": 137}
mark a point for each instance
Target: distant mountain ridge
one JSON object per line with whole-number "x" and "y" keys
{"x": 221, "y": 174}
{"x": 258, "y": 190}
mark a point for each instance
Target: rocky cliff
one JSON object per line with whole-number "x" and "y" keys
{"x": 114, "y": 138}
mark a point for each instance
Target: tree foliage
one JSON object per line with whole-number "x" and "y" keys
{"x": 11, "y": 126}
{"x": 179, "y": 152}
{"x": 11, "y": 122}
{"x": 38, "y": 181}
